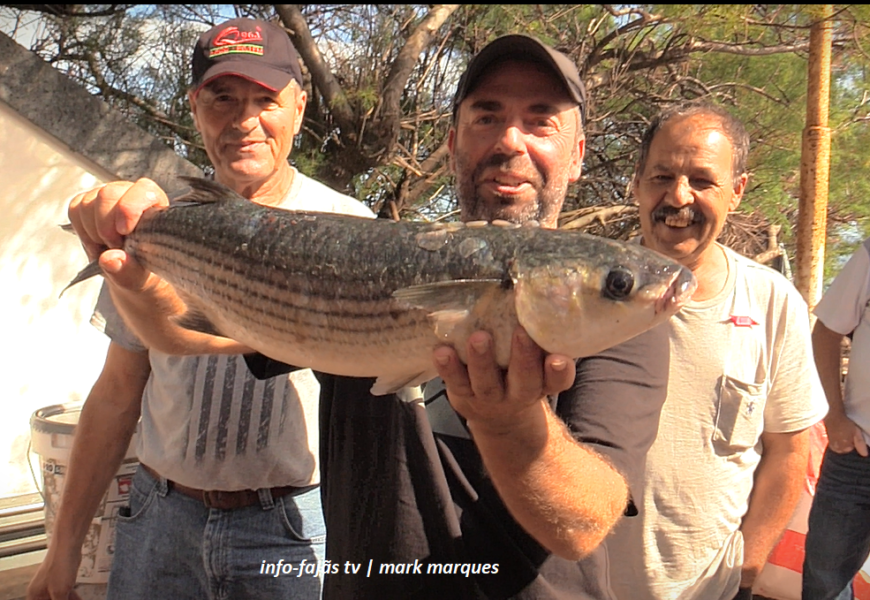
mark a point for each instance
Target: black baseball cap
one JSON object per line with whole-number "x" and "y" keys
{"x": 522, "y": 47}
{"x": 257, "y": 50}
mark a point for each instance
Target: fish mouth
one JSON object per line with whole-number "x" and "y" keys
{"x": 682, "y": 285}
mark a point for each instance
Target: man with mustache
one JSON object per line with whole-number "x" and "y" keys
{"x": 726, "y": 470}
{"x": 497, "y": 483}
{"x": 228, "y": 477}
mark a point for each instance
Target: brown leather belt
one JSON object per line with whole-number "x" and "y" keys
{"x": 226, "y": 500}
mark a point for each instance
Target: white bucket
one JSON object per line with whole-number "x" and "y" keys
{"x": 51, "y": 431}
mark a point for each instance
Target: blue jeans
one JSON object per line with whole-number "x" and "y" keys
{"x": 172, "y": 546}
{"x": 838, "y": 539}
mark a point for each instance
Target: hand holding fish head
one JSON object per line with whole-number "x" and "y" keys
{"x": 498, "y": 399}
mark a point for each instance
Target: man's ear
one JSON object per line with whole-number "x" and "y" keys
{"x": 577, "y": 160}
{"x": 191, "y": 100}
{"x": 737, "y": 194}
{"x": 301, "y": 100}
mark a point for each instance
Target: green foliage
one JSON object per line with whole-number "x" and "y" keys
{"x": 635, "y": 59}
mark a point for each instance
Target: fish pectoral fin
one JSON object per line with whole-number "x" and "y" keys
{"x": 444, "y": 322}
{"x": 391, "y": 384}
{"x": 457, "y": 294}
{"x": 196, "y": 320}
{"x": 448, "y": 303}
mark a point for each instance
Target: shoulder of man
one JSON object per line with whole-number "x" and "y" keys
{"x": 855, "y": 270}
{"x": 844, "y": 304}
{"x": 323, "y": 198}
{"x": 760, "y": 276}
{"x": 758, "y": 269}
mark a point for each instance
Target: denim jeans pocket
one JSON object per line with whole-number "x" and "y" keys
{"x": 739, "y": 415}
{"x": 302, "y": 517}
{"x": 143, "y": 491}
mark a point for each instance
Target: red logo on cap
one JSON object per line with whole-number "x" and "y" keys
{"x": 232, "y": 35}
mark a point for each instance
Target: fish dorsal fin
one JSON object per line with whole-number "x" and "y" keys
{"x": 196, "y": 320}
{"x": 204, "y": 191}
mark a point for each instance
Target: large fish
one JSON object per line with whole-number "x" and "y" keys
{"x": 371, "y": 298}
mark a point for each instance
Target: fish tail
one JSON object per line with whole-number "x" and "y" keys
{"x": 86, "y": 273}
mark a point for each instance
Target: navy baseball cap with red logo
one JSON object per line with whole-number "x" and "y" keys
{"x": 256, "y": 50}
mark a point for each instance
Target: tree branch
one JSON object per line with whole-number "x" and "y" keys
{"x": 433, "y": 167}
{"x": 321, "y": 75}
{"x": 71, "y": 10}
{"x": 582, "y": 218}
{"x": 407, "y": 58}
{"x": 107, "y": 90}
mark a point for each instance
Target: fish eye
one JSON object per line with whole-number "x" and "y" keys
{"x": 619, "y": 283}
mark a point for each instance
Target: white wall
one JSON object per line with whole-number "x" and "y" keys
{"x": 49, "y": 352}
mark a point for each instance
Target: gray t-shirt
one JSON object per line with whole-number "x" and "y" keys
{"x": 741, "y": 365}
{"x": 207, "y": 423}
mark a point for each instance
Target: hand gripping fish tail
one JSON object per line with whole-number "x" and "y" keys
{"x": 323, "y": 290}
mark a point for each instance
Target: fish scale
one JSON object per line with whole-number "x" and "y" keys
{"x": 371, "y": 298}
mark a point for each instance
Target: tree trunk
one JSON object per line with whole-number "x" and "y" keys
{"x": 815, "y": 161}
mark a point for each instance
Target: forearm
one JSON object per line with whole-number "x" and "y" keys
{"x": 101, "y": 441}
{"x": 827, "y": 356}
{"x": 562, "y": 493}
{"x": 102, "y": 436}
{"x": 150, "y": 312}
{"x": 777, "y": 488}
{"x": 844, "y": 435}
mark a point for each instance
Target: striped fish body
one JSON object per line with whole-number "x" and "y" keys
{"x": 371, "y": 298}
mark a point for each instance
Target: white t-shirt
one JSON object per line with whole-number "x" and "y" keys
{"x": 844, "y": 309}
{"x": 207, "y": 422}
{"x": 741, "y": 364}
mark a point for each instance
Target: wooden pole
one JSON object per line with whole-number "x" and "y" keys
{"x": 815, "y": 161}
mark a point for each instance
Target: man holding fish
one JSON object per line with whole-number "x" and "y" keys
{"x": 228, "y": 476}
{"x": 505, "y": 476}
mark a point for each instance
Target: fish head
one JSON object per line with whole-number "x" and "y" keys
{"x": 593, "y": 296}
